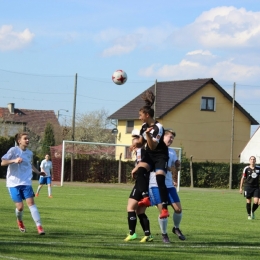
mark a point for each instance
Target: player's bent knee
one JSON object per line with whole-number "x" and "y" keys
{"x": 177, "y": 208}
{"x": 178, "y": 211}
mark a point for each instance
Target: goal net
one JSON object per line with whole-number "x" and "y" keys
{"x": 94, "y": 162}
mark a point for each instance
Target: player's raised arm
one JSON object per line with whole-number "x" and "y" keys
{"x": 7, "y": 162}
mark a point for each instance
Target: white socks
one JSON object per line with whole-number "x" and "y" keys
{"x": 164, "y": 221}
{"x": 19, "y": 214}
{"x": 163, "y": 224}
{"x": 38, "y": 189}
{"x": 49, "y": 190}
{"x": 177, "y": 219}
{"x": 35, "y": 215}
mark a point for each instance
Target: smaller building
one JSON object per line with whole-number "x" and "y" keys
{"x": 14, "y": 120}
{"x": 251, "y": 148}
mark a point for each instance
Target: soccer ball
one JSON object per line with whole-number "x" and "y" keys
{"x": 119, "y": 77}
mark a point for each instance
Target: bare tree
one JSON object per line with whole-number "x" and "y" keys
{"x": 91, "y": 127}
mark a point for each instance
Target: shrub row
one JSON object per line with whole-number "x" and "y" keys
{"x": 211, "y": 175}
{"x": 205, "y": 174}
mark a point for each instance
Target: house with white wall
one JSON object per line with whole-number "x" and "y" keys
{"x": 252, "y": 148}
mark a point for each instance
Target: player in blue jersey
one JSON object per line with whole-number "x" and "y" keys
{"x": 173, "y": 198}
{"x": 156, "y": 154}
{"x": 46, "y": 166}
{"x": 19, "y": 180}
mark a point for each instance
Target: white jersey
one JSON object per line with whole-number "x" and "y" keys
{"x": 19, "y": 173}
{"x": 168, "y": 178}
{"x": 46, "y": 166}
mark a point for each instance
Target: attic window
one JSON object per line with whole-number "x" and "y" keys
{"x": 129, "y": 126}
{"x": 207, "y": 104}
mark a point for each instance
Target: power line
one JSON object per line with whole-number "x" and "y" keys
{"x": 248, "y": 85}
{"x": 69, "y": 76}
{"x": 37, "y": 92}
{"x": 59, "y": 100}
{"x": 109, "y": 81}
{"x": 37, "y": 75}
{"x": 99, "y": 79}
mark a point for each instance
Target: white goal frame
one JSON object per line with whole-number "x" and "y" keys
{"x": 106, "y": 144}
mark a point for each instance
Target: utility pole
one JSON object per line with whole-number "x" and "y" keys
{"x": 191, "y": 173}
{"x": 73, "y": 126}
{"x": 232, "y": 138}
{"x": 119, "y": 168}
{"x": 155, "y": 93}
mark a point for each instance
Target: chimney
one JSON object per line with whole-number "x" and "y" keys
{"x": 11, "y": 108}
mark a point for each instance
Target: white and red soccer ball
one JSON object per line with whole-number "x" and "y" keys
{"x": 119, "y": 77}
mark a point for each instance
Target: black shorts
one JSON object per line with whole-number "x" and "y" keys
{"x": 136, "y": 193}
{"x": 251, "y": 192}
{"x": 156, "y": 161}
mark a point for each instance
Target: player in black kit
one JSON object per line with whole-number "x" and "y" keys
{"x": 133, "y": 209}
{"x": 250, "y": 179}
{"x": 156, "y": 154}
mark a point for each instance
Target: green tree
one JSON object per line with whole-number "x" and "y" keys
{"x": 48, "y": 139}
{"x": 5, "y": 144}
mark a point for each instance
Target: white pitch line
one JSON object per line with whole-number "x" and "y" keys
{"x": 173, "y": 245}
{"x": 150, "y": 244}
{"x": 10, "y": 257}
{"x": 30, "y": 242}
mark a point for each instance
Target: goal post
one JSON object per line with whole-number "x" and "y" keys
{"x": 178, "y": 151}
{"x": 114, "y": 151}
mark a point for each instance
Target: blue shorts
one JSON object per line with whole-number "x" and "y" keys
{"x": 155, "y": 198}
{"x": 45, "y": 180}
{"x": 21, "y": 192}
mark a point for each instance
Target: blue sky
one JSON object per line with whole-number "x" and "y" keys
{"x": 43, "y": 44}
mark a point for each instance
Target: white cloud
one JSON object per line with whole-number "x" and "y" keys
{"x": 11, "y": 40}
{"x": 224, "y": 70}
{"x": 122, "y": 43}
{"x": 218, "y": 28}
{"x": 221, "y": 27}
{"x": 199, "y": 52}
{"x": 233, "y": 34}
{"x": 118, "y": 49}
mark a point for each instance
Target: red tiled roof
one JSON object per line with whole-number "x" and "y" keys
{"x": 35, "y": 120}
{"x": 169, "y": 95}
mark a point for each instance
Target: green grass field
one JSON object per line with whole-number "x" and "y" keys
{"x": 88, "y": 221}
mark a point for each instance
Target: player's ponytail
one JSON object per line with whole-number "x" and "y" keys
{"x": 148, "y": 98}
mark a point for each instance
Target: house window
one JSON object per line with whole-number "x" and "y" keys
{"x": 129, "y": 126}
{"x": 207, "y": 104}
{"x": 128, "y": 154}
